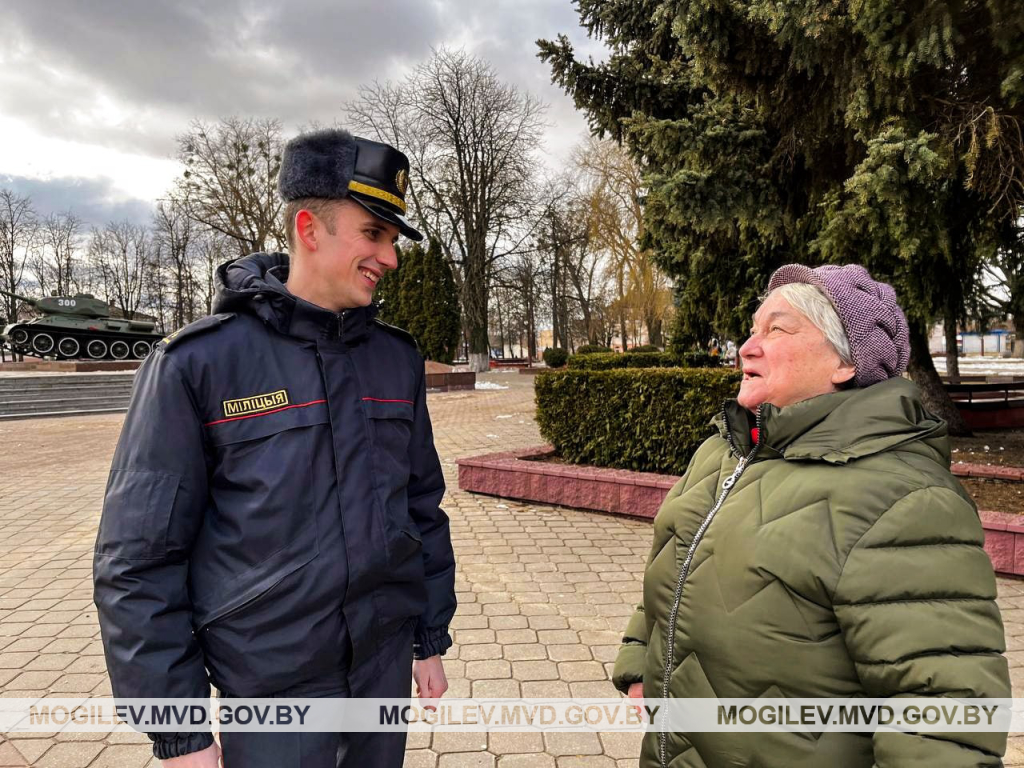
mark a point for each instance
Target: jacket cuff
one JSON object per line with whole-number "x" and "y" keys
{"x": 629, "y": 666}
{"x": 168, "y": 745}
{"x": 430, "y": 641}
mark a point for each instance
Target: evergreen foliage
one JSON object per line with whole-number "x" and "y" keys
{"x": 554, "y": 357}
{"x": 592, "y": 349}
{"x": 421, "y": 297}
{"x": 873, "y": 132}
{"x": 631, "y": 359}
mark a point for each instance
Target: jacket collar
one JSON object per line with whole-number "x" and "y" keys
{"x": 256, "y": 284}
{"x": 841, "y": 426}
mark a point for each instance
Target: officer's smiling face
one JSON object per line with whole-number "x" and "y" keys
{"x": 350, "y": 261}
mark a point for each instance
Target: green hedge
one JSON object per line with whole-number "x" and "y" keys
{"x": 607, "y": 362}
{"x": 647, "y": 420}
{"x": 592, "y": 349}
{"x": 554, "y": 358}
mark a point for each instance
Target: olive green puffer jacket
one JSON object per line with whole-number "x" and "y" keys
{"x": 844, "y": 561}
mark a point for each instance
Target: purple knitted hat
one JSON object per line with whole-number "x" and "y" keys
{"x": 874, "y": 323}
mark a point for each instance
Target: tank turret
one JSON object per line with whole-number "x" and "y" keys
{"x": 78, "y": 327}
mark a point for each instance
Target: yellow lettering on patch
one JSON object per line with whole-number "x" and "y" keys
{"x": 255, "y": 404}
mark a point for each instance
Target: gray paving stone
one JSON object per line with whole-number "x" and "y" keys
{"x": 544, "y": 593}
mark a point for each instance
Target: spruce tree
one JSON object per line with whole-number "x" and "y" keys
{"x": 411, "y": 291}
{"x": 421, "y": 297}
{"x": 875, "y": 132}
{"x": 387, "y": 295}
{"x": 439, "y": 306}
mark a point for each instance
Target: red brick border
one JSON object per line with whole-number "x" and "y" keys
{"x": 639, "y": 494}
{"x": 988, "y": 471}
{"x": 512, "y": 475}
{"x": 451, "y": 381}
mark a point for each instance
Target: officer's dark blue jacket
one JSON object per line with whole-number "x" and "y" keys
{"x": 272, "y": 511}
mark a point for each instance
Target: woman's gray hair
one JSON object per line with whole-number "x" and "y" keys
{"x": 812, "y": 303}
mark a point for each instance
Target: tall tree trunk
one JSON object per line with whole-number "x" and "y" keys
{"x": 1016, "y": 288}
{"x": 501, "y": 328}
{"x": 531, "y": 331}
{"x": 475, "y": 307}
{"x": 952, "y": 350}
{"x": 933, "y": 394}
{"x": 621, "y": 281}
{"x": 653, "y": 323}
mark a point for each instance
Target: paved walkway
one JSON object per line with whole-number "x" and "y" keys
{"x": 543, "y": 592}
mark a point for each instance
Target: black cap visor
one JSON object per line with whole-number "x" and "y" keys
{"x": 390, "y": 216}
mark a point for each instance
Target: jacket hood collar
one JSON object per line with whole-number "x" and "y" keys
{"x": 255, "y": 284}
{"x": 840, "y": 426}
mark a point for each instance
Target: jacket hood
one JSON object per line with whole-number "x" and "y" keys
{"x": 842, "y": 426}
{"x": 255, "y": 285}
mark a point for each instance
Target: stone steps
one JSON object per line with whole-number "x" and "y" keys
{"x": 28, "y": 397}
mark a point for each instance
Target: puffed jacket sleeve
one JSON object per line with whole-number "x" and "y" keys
{"x": 153, "y": 507}
{"x": 425, "y": 490}
{"x": 916, "y": 604}
{"x": 629, "y": 663}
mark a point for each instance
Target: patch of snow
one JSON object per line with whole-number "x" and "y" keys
{"x": 508, "y": 416}
{"x": 994, "y": 366}
{"x": 489, "y": 385}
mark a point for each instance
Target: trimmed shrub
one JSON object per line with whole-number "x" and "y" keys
{"x": 648, "y": 420}
{"x": 646, "y": 348}
{"x": 701, "y": 360}
{"x": 592, "y": 349}
{"x": 555, "y": 358}
{"x": 606, "y": 362}
{"x": 612, "y": 360}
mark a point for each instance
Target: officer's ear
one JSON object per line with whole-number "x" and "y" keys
{"x": 305, "y": 229}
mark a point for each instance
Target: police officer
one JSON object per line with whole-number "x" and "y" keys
{"x": 271, "y": 522}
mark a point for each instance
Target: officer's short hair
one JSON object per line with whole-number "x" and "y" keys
{"x": 323, "y": 208}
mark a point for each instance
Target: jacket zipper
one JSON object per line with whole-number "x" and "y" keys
{"x": 684, "y": 571}
{"x": 205, "y": 626}
{"x": 339, "y": 325}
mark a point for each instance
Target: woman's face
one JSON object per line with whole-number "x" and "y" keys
{"x": 787, "y": 359}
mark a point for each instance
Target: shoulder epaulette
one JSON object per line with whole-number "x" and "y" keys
{"x": 399, "y": 332}
{"x": 199, "y": 327}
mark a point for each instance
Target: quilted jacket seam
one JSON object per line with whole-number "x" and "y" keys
{"x": 933, "y": 599}
{"x": 842, "y": 570}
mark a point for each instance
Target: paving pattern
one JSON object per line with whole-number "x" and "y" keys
{"x": 544, "y": 592}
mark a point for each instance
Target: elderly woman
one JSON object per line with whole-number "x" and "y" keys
{"x": 818, "y": 546}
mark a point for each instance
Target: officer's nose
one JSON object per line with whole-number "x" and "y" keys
{"x": 387, "y": 257}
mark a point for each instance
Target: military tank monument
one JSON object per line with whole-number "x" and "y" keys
{"x": 78, "y": 328}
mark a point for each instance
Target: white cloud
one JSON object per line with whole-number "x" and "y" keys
{"x": 29, "y": 153}
{"x": 100, "y": 90}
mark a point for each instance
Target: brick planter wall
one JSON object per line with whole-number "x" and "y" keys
{"x": 513, "y": 475}
{"x": 450, "y": 381}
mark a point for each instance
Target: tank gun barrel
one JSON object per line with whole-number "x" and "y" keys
{"x": 26, "y": 299}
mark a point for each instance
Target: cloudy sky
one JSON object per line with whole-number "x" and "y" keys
{"x": 93, "y": 94}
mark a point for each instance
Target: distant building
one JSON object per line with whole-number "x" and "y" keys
{"x": 999, "y": 341}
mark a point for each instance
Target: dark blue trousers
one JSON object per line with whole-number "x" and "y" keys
{"x": 332, "y": 750}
